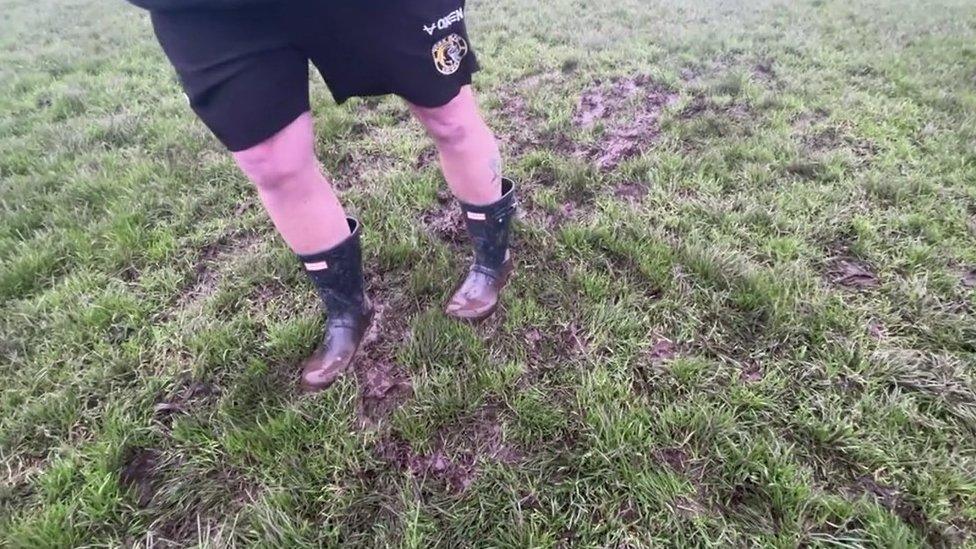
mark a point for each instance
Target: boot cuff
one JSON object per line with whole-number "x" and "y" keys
{"x": 321, "y": 261}
{"x": 495, "y": 209}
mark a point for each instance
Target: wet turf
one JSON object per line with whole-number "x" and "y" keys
{"x": 744, "y": 309}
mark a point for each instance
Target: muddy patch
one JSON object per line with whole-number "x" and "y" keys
{"x": 267, "y": 292}
{"x": 445, "y": 223}
{"x": 690, "y": 74}
{"x": 751, "y": 372}
{"x": 138, "y": 473}
{"x": 548, "y": 348}
{"x": 826, "y": 139}
{"x": 457, "y": 474}
{"x": 628, "y": 511}
{"x": 823, "y": 141}
{"x": 661, "y": 351}
{"x": 631, "y": 192}
{"x": 22, "y": 472}
{"x": 457, "y": 452}
{"x": 245, "y": 206}
{"x": 223, "y": 492}
{"x": 653, "y": 363}
{"x": 851, "y": 273}
{"x": 204, "y": 279}
{"x": 383, "y": 384}
{"x": 573, "y": 337}
{"x": 700, "y": 106}
{"x": 818, "y": 134}
{"x": 544, "y": 78}
{"x": 130, "y": 274}
{"x": 359, "y": 167}
{"x": 703, "y": 119}
{"x": 890, "y": 498}
{"x": 764, "y": 70}
{"x": 805, "y": 120}
{"x": 805, "y": 169}
{"x": 573, "y": 205}
{"x": 876, "y": 329}
{"x": 384, "y": 387}
{"x": 689, "y": 508}
{"x": 519, "y": 129}
{"x": 533, "y": 336}
{"x": 188, "y": 396}
{"x": 968, "y": 278}
{"x": 629, "y": 108}
{"x": 675, "y": 458}
{"x": 207, "y": 269}
{"x": 426, "y": 157}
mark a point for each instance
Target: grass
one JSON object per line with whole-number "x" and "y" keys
{"x": 744, "y": 312}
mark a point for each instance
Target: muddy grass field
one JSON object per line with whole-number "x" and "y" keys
{"x": 744, "y": 311}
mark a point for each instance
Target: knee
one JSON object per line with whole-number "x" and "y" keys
{"x": 277, "y": 161}
{"x": 270, "y": 167}
{"x": 447, "y": 130}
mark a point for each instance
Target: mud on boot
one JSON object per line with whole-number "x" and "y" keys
{"x": 338, "y": 277}
{"x": 489, "y": 227}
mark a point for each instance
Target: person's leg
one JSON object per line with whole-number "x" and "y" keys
{"x": 295, "y": 193}
{"x": 472, "y": 167}
{"x": 308, "y": 215}
{"x": 245, "y": 79}
{"x": 468, "y": 150}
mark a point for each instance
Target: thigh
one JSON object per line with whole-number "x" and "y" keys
{"x": 417, "y": 49}
{"x": 240, "y": 73}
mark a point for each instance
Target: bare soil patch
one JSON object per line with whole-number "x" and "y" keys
{"x": 764, "y": 70}
{"x": 968, "y": 278}
{"x": 630, "y": 109}
{"x": 457, "y": 451}
{"x": 445, "y": 223}
{"x": 383, "y": 384}
{"x": 189, "y": 395}
{"x": 700, "y": 105}
{"x": 676, "y": 458}
{"x": 384, "y": 387}
{"x": 207, "y": 268}
{"x": 630, "y": 191}
{"x": 138, "y": 472}
{"x": 661, "y": 351}
{"x": 851, "y": 273}
{"x": 751, "y": 372}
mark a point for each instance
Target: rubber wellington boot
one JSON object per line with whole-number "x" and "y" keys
{"x": 489, "y": 227}
{"x": 338, "y": 277}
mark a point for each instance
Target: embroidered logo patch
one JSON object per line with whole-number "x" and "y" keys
{"x": 448, "y": 53}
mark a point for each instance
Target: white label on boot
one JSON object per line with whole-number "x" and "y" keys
{"x": 317, "y": 266}
{"x": 476, "y": 216}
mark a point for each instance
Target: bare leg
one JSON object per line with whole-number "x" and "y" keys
{"x": 472, "y": 168}
{"x": 468, "y": 151}
{"x": 295, "y": 193}
{"x": 308, "y": 215}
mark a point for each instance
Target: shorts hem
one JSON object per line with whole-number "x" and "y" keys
{"x": 426, "y": 99}
{"x": 238, "y": 144}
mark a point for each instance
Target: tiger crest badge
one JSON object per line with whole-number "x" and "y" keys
{"x": 448, "y": 53}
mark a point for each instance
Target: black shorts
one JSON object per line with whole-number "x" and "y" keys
{"x": 245, "y": 70}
